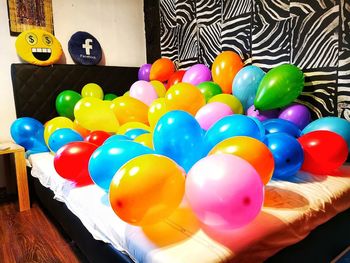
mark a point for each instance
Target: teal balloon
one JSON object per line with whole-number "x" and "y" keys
{"x": 246, "y": 84}
{"x": 279, "y": 87}
{"x": 65, "y": 102}
{"x": 209, "y": 89}
{"x": 333, "y": 124}
{"x": 108, "y": 158}
{"x": 133, "y": 133}
{"x": 29, "y": 133}
{"x": 109, "y": 96}
{"x": 63, "y": 136}
{"x": 178, "y": 136}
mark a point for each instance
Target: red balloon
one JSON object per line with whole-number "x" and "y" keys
{"x": 97, "y": 137}
{"x": 324, "y": 151}
{"x": 175, "y": 78}
{"x": 71, "y": 162}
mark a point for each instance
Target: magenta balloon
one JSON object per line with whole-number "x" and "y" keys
{"x": 211, "y": 113}
{"x": 144, "y": 71}
{"x": 262, "y": 115}
{"x": 143, "y": 91}
{"x": 296, "y": 113}
{"x": 197, "y": 74}
{"x": 224, "y": 191}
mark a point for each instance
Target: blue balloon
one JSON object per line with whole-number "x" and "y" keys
{"x": 116, "y": 138}
{"x": 178, "y": 136}
{"x": 231, "y": 126}
{"x": 280, "y": 125}
{"x": 63, "y": 136}
{"x": 334, "y": 124}
{"x": 108, "y": 158}
{"x": 133, "y": 133}
{"x": 287, "y": 154}
{"x": 29, "y": 133}
{"x": 260, "y": 126}
{"x": 246, "y": 83}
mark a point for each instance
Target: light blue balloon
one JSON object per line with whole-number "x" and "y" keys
{"x": 116, "y": 138}
{"x": 246, "y": 83}
{"x": 231, "y": 126}
{"x": 133, "y": 133}
{"x": 334, "y": 124}
{"x": 29, "y": 133}
{"x": 178, "y": 136}
{"x": 108, "y": 158}
{"x": 63, "y": 136}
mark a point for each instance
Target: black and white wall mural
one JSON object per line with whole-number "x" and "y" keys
{"x": 313, "y": 35}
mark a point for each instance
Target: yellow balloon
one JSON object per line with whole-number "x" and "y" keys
{"x": 92, "y": 90}
{"x": 156, "y": 110}
{"x": 147, "y": 189}
{"x": 127, "y": 94}
{"x": 132, "y": 125}
{"x": 145, "y": 139}
{"x": 159, "y": 87}
{"x": 184, "y": 96}
{"x": 55, "y": 124}
{"x": 128, "y": 109}
{"x": 230, "y": 100}
{"x": 95, "y": 114}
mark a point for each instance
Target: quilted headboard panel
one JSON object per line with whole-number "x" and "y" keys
{"x": 36, "y": 88}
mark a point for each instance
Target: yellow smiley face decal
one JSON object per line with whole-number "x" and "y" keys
{"x": 38, "y": 47}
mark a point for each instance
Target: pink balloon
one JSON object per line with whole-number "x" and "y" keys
{"x": 211, "y": 113}
{"x": 224, "y": 191}
{"x": 197, "y": 74}
{"x": 143, "y": 91}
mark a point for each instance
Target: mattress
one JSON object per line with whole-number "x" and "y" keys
{"x": 291, "y": 210}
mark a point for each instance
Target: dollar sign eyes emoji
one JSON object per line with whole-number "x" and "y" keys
{"x": 38, "y": 47}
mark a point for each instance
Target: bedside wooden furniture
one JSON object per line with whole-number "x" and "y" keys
{"x": 21, "y": 173}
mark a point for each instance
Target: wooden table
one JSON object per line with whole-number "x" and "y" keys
{"x": 21, "y": 173}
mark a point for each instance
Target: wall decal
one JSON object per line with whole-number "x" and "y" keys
{"x": 313, "y": 35}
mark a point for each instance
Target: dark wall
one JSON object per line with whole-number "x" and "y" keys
{"x": 152, "y": 29}
{"x": 313, "y": 35}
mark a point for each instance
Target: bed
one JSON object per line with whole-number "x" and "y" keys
{"x": 306, "y": 219}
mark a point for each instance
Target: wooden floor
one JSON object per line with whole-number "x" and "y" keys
{"x": 30, "y": 237}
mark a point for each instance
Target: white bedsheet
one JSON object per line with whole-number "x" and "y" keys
{"x": 291, "y": 210}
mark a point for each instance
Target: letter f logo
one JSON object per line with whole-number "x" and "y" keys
{"x": 87, "y": 46}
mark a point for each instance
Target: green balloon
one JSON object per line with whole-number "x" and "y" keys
{"x": 65, "y": 102}
{"x": 279, "y": 87}
{"x": 109, "y": 96}
{"x": 209, "y": 89}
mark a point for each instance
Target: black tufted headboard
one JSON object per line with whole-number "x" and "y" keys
{"x": 36, "y": 88}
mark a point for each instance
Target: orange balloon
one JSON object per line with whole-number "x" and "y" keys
{"x": 162, "y": 69}
{"x": 184, "y": 96}
{"x": 128, "y": 109}
{"x": 253, "y": 151}
{"x": 224, "y": 69}
{"x": 83, "y": 132}
{"x": 147, "y": 189}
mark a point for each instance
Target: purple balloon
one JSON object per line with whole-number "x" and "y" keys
{"x": 197, "y": 74}
{"x": 296, "y": 113}
{"x": 144, "y": 71}
{"x": 262, "y": 115}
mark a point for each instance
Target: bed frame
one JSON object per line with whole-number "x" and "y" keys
{"x": 35, "y": 90}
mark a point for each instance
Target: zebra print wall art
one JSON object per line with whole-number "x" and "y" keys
{"x": 313, "y": 35}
